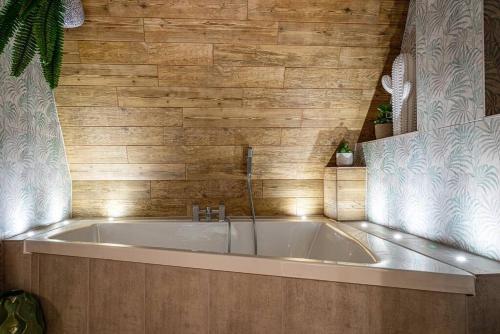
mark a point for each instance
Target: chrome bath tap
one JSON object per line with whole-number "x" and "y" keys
{"x": 208, "y": 212}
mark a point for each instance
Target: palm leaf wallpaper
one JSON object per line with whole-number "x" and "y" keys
{"x": 450, "y": 62}
{"x": 492, "y": 55}
{"x": 443, "y": 182}
{"x": 35, "y": 185}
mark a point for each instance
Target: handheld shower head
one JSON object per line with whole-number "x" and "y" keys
{"x": 249, "y": 161}
{"x": 250, "y": 198}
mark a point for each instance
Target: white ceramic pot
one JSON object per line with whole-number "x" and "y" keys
{"x": 345, "y": 159}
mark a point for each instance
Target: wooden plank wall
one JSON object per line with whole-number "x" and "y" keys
{"x": 159, "y": 99}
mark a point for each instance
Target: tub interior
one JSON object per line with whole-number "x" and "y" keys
{"x": 298, "y": 240}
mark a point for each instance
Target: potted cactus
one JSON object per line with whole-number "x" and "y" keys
{"x": 383, "y": 123}
{"x": 345, "y": 156}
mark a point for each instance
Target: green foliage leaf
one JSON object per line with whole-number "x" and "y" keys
{"x": 9, "y": 21}
{"x": 24, "y": 47}
{"x": 29, "y": 7}
{"x": 52, "y": 69}
{"x": 38, "y": 26}
{"x": 48, "y": 26}
{"x": 344, "y": 147}
{"x": 384, "y": 114}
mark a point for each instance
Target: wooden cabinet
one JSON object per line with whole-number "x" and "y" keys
{"x": 345, "y": 193}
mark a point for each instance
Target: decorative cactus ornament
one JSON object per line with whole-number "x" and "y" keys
{"x": 400, "y": 87}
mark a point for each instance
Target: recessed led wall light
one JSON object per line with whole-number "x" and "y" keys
{"x": 364, "y": 225}
{"x": 397, "y": 236}
{"x": 461, "y": 258}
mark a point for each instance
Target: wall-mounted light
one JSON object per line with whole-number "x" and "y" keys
{"x": 461, "y": 259}
{"x": 397, "y": 236}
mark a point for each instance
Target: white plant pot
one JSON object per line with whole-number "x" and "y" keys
{"x": 345, "y": 159}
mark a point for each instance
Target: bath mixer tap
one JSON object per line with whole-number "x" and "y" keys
{"x": 208, "y": 212}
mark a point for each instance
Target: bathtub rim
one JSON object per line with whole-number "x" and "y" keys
{"x": 282, "y": 267}
{"x": 346, "y": 272}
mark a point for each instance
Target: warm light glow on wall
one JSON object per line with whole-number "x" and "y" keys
{"x": 115, "y": 209}
{"x": 377, "y": 203}
{"x": 415, "y": 209}
{"x": 303, "y": 207}
{"x": 19, "y": 219}
{"x": 57, "y": 203}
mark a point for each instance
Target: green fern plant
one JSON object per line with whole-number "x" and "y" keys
{"x": 37, "y": 27}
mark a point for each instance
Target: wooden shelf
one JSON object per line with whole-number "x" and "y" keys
{"x": 345, "y": 193}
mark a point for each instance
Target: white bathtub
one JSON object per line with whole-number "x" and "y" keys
{"x": 275, "y": 238}
{"x": 318, "y": 249}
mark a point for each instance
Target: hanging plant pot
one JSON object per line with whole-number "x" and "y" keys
{"x": 74, "y": 15}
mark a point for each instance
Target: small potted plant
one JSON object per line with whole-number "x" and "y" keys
{"x": 383, "y": 123}
{"x": 345, "y": 156}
